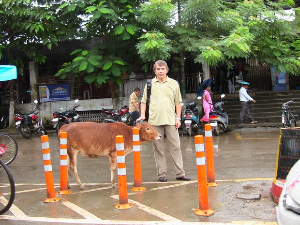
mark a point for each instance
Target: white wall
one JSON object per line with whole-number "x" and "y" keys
{"x": 47, "y": 108}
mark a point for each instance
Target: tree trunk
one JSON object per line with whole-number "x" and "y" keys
{"x": 11, "y": 103}
{"x": 112, "y": 87}
{"x": 183, "y": 90}
{"x": 206, "y": 71}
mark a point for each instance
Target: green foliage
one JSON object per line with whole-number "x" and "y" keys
{"x": 218, "y": 31}
{"x": 24, "y": 24}
{"x": 150, "y": 17}
{"x": 153, "y": 46}
{"x": 116, "y": 33}
{"x": 95, "y": 66}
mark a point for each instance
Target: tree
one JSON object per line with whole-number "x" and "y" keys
{"x": 215, "y": 31}
{"x": 113, "y": 24}
{"x": 23, "y": 25}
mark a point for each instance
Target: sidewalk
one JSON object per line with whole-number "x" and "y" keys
{"x": 244, "y": 160}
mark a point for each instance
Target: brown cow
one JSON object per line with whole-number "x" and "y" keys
{"x": 95, "y": 140}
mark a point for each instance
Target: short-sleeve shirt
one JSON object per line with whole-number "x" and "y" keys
{"x": 133, "y": 98}
{"x": 163, "y": 99}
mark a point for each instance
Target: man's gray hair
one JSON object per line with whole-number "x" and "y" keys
{"x": 160, "y": 63}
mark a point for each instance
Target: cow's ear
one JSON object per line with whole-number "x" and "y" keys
{"x": 138, "y": 125}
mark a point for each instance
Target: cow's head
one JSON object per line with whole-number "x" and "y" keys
{"x": 147, "y": 132}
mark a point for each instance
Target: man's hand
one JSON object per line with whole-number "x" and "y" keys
{"x": 140, "y": 118}
{"x": 177, "y": 124}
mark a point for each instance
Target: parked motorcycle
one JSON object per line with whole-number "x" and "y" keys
{"x": 106, "y": 114}
{"x": 65, "y": 117}
{"x": 29, "y": 122}
{"x": 121, "y": 115}
{"x": 190, "y": 118}
{"x": 218, "y": 118}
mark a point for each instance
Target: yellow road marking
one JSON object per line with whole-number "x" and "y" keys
{"x": 250, "y": 179}
{"x": 237, "y": 136}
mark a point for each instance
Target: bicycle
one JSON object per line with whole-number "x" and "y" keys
{"x": 8, "y": 147}
{"x": 287, "y": 118}
{"x": 7, "y": 188}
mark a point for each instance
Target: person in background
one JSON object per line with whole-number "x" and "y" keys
{"x": 164, "y": 99}
{"x": 207, "y": 104}
{"x": 276, "y": 79}
{"x": 134, "y": 104}
{"x": 244, "y": 99}
{"x": 230, "y": 77}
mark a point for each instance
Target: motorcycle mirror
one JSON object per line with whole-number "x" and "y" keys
{"x": 222, "y": 95}
{"x": 36, "y": 101}
{"x": 199, "y": 97}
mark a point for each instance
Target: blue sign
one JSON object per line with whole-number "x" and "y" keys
{"x": 8, "y": 73}
{"x": 54, "y": 92}
{"x": 278, "y": 80}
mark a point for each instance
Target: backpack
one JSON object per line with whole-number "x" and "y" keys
{"x": 148, "y": 99}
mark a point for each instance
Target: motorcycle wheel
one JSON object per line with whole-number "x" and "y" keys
{"x": 127, "y": 118}
{"x": 227, "y": 129}
{"x": 59, "y": 125}
{"x": 189, "y": 131}
{"x": 25, "y": 131}
{"x": 43, "y": 130}
{"x": 293, "y": 123}
{"x": 217, "y": 130}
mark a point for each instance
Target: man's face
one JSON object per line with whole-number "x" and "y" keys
{"x": 161, "y": 72}
{"x": 246, "y": 86}
{"x": 137, "y": 93}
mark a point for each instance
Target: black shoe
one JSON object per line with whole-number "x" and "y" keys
{"x": 185, "y": 178}
{"x": 162, "y": 179}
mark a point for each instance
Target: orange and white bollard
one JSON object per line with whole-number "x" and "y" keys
{"x": 63, "y": 165}
{"x": 123, "y": 195}
{"x": 204, "y": 209}
{"x": 210, "y": 157}
{"x": 48, "y": 171}
{"x": 137, "y": 160}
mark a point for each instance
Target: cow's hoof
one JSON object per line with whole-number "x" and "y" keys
{"x": 82, "y": 188}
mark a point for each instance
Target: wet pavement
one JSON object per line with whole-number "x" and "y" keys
{"x": 244, "y": 159}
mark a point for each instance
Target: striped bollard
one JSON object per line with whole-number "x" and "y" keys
{"x": 123, "y": 195}
{"x": 204, "y": 209}
{"x": 137, "y": 160}
{"x": 63, "y": 165}
{"x": 210, "y": 157}
{"x": 48, "y": 171}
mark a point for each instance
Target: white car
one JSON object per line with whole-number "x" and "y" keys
{"x": 288, "y": 209}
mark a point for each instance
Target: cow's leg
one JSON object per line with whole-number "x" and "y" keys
{"x": 73, "y": 167}
{"x": 68, "y": 163}
{"x": 113, "y": 165}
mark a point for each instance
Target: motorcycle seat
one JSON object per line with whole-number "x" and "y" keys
{"x": 108, "y": 109}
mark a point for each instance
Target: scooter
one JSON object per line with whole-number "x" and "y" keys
{"x": 218, "y": 118}
{"x": 190, "y": 119}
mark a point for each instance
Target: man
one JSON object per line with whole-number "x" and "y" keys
{"x": 165, "y": 97}
{"x": 245, "y": 98}
{"x": 134, "y": 104}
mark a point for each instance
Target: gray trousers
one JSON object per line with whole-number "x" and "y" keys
{"x": 171, "y": 142}
{"x": 245, "y": 111}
